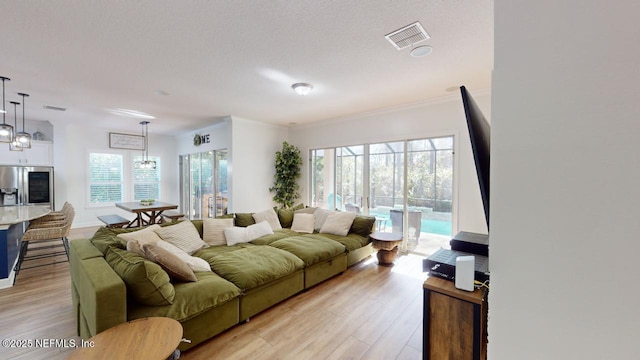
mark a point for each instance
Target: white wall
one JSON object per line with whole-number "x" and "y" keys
{"x": 71, "y": 148}
{"x": 565, "y": 181}
{"x": 219, "y": 138}
{"x": 440, "y": 117}
{"x": 252, "y": 164}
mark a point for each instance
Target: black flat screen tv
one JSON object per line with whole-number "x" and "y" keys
{"x": 480, "y": 135}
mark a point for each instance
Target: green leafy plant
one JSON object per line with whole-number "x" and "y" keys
{"x": 285, "y": 186}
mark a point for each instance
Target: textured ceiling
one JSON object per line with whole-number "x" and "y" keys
{"x": 218, "y": 58}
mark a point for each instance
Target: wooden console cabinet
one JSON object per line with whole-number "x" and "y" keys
{"x": 455, "y": 322}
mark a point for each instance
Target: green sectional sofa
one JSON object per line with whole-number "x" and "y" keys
{"x": 246, "y": 278}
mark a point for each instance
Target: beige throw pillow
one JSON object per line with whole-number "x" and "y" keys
{"x": 270, "y": 217}
{"x": 184, "y": 235}
{"x": 137, "y": 239}
{"x": 320, "y": 217}
{"x": 213, "y": 230}
{"x": 303, "y": 223}
{"x": 176, "y": 268}
{"x": 195, "y": 263}
{"x": 338, "y": 223}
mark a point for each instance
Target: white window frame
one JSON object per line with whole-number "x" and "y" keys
{"x": 127, "y": 176}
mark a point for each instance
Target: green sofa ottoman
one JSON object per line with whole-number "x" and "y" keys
{"x": 204, "y": 308}
{"x": 358, "y": 246}
{"x": 266, "y": 275}
{"x": 323, "y": 258}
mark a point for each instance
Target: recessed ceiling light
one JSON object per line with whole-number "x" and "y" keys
{"x": 421, "y": 51}
{"x": 131, "y": 113}
{"x": 302, "y": 88}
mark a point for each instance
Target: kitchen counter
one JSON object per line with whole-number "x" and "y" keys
{"x": 13, "y": 221}
{"x": 10, "y": 215}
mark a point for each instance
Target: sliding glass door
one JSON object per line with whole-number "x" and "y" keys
{"x": 203, "y": 184}
{"x": 350, "y": 178}
{"x": 407, "y": 185}
{"x": 386, "y": 184}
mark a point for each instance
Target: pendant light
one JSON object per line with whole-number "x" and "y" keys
{"x": 23, "y": 137}
{"x": 146, "y": 163}
{"x": 6, "y": 130}
{"x": 15, "y": 145}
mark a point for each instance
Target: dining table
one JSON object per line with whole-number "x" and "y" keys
{"x": 145, "y": 214}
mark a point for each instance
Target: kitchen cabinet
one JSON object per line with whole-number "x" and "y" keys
{"x": 40, "y": 154}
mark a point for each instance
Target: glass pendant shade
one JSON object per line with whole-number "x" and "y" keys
{"x": 23, "y": 137}
{"x": 6, "y": 130}
{"x": 14, "y": 145}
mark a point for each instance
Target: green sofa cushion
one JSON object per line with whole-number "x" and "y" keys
{"x": 146, "y": 281}
{"x": 199, "y": 226}
{"x": 351, "y": 241}
{"x": 104, "y": 238}
{"x": 84, "y": 249}
{"x": 191, "y": 299}
{"x": 277, "y": 235}
{"x": 362, "y": 225}
{"x": 311, "y": 248}
{"x": 212, "y": 251}
{"x": 286, "y": 215}
{"x": 253, "y": 266}
{"x": 244, "y": 219}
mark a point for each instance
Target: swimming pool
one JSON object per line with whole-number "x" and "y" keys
{"x": 433, "y": 226}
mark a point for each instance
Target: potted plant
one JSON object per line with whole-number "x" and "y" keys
{"x": 285, "y": 186}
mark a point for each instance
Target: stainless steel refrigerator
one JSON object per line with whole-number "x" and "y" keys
{"x": 26, "y": 185}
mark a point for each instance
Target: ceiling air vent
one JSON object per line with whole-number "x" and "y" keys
{"x": 407, "y": 36}
{"x": 49, "y": 107}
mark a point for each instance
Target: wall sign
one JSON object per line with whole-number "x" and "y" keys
{"x": 126, "y": 141}
{"x": 201, "y": 139}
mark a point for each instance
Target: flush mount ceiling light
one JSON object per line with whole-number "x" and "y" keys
{"x": 302, "y": 88}
{"x": 131, "y": 113}
{"x": 421, "y": 51}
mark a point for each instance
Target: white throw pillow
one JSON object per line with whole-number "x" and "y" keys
{"x": 259, "y": 229}
{"x": 303, "y": 223}
{"x": 237, "y": 235}
{"x": 195, "y": 263}
{"x": 338, "y": 223}
{"x": 137, "y": 239}
{"x": 321, "y": 216}
{"x": 269, "y": 216}
{"x": 213, "y": 230}
{"x": 184, "y": 235}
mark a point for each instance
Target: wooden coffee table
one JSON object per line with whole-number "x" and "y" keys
{"x": 387, "y": 246}
{"x": 149, "y": 338}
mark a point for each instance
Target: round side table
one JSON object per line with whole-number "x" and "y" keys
{"x": 387, "y": 246}
{"x": 148, "y": 338}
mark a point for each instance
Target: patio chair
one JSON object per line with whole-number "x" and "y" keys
{"x": 415, "y": 222}
{"x": 353, "y": 208}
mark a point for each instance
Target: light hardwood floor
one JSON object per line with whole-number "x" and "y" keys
{"x": 368, "y": 312}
